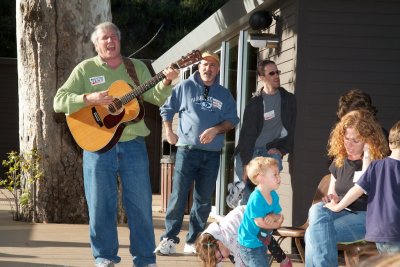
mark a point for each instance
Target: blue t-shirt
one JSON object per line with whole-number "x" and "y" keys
{"x": 381, "y": 181}
{"x": 257, "y": 207}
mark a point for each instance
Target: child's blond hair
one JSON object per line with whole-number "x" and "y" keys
{"x": 259, "y": 165}
{"x": 394, "y": 136}
{"x": 206, "y": 245}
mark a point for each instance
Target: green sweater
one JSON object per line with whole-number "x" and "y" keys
{"x": 93, "y": 75}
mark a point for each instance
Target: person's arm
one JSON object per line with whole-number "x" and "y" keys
{"x": 366, "y": 161}
{"x": 228, "y": 122}
{"x": 244, "y": 173}
{"x": 273, "y": 218}
{"x": 97, "y": 98}
{"x": 366, "y": 158}
{"x": 170, "y": 74}
{"x": 172, "y": 138}
{"x": 162, "y": 90}
{"x": 209, "y": 134}
{"x": 331, "y": 191}
{"x": 273, "y": 224}
{"x": 167, "y": 112}
{"x": 272, "y": 151}
{"x": 248, "y": 132}
{"x": 352, "y": 195}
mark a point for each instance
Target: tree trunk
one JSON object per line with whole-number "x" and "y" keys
{"x": 52, "y": 37}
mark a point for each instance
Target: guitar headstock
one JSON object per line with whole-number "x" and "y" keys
{"x": 189, "y": 59}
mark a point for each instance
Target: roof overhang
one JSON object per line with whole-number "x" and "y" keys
{"x": 223, "y": 24}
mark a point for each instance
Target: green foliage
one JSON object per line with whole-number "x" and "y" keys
{"x": 24, "y": 198}
{"x": 13, "y": 166}
{"x": 139, "y": 20}
{"x": 30, "y": 165}
{"x": 17, "y": 165}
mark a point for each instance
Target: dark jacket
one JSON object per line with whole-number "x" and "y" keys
{"x": 253, "y": 121}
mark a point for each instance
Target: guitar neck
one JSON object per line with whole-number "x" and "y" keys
{"x": 143, "y": 87}
{"x": 183, "y": 62}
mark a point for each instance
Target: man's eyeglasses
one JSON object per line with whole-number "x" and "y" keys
{"x": 205, "y": 93}
{"x": 272, "y": 73}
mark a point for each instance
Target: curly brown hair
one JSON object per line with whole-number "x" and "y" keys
{"x": 369, "y": 130}
{"x": 355, "y": 99}
{"x": 206, "y": 245}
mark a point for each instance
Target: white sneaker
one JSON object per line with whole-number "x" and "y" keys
{"x": 166, "y": 247}
{"x": 189, "y": 249}
{"x": 235, "y": 194}
{"x": 105, "y": 263}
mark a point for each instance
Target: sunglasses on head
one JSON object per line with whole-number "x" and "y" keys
{"x": 272, "y": 73}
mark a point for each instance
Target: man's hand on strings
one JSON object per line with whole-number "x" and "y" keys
{"x": 170, "y": 75}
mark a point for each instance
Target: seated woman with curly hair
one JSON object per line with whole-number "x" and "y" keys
{"x": 355, "y": 140}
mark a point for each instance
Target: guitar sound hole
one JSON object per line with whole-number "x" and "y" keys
{"x": 115, "y": 106}
{"x": 110, "y": 121}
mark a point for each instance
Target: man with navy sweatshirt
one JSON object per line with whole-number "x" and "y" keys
{"x": 206, "y": 111}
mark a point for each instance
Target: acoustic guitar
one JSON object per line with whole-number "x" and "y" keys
{"x": 99, "y": 127}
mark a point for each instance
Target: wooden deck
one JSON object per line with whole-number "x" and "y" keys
{"x": 49, "y": 245}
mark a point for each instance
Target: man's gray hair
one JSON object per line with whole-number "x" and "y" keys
{"x": 102, "y": 26}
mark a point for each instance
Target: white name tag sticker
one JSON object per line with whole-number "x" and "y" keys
{"x": 97, "y": 80}
{"x": 269, "y": 115}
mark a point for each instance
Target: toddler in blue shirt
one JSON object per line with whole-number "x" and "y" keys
{"x": 255, "y": 226}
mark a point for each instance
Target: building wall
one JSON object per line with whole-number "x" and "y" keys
{"x": 8, "y": 108}
{"x": 341, "y": 45}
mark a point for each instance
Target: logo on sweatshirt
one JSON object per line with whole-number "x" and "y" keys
{"x": 97, "y": 80}
{"x": 217, "y": 104}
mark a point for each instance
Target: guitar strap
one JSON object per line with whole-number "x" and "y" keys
{"x": 130, "y": 69}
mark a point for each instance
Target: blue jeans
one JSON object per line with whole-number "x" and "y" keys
{"x": 254, "y": 257}
{"x": 200, "y": 167}
{"x": 129, "y": 161}
{"x": 258, "y": 152}
{"x": 327, "y": 228}
{"x": 388, "y": 247}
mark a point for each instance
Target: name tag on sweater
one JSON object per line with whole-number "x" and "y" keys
{"x": 97, "y": 80}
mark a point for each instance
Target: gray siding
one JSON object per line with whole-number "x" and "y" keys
{"x": 341, "y": 45}
{"x": 8, "y": 108}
